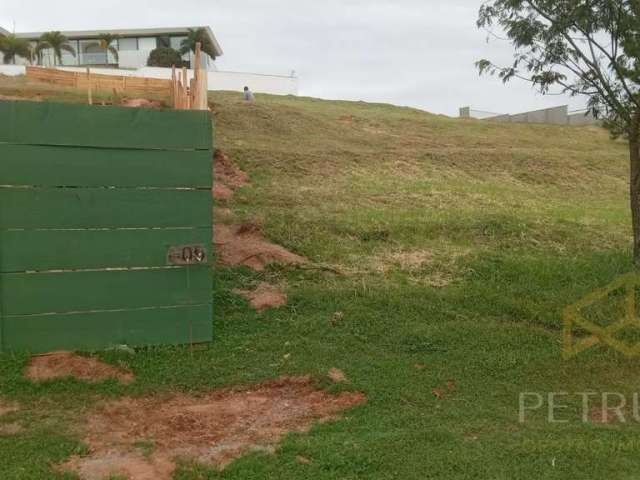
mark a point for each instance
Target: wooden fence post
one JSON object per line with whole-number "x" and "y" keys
{"x": 90, "y": 90}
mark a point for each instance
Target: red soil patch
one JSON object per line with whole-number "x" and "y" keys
{"x": 228, "y": 177}
{"x": 221, "y": 191}
{"x": 245, "y": 245}
{"x": 264, "y": 296}
{"x": 227, "y": 172}
{"x": 67, "y": 364}
{"x": 213, "y": 429}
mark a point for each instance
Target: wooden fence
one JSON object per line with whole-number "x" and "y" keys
{"x": 185, "y": 94}
{"x": 105, "y": 226}
{"x": 97, "y": 82}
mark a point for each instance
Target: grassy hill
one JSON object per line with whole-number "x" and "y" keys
{"x": 443, "y": 252}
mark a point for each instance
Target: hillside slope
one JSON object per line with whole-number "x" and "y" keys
{"x": 366, "y": 187}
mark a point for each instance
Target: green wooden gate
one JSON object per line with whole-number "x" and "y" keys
{"x": 105, "y": 227}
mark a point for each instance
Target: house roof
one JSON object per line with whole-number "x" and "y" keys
{"x": 3, "y": 31}
{"x": 128, "y": 32}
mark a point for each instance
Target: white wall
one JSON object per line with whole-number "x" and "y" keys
{"x": 12, "y": 70}
{"x": 218, "y": 80}
{"x": 236, "y": 81}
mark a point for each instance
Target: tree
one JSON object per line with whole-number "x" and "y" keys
{"x": 105, "y": 42}
{"x": 165, "y": 57}
{"x": 12, "y": 46}
{"x": 579, "y": 47}
{"x": 57, "y": 42}
{"x": 198, "y": 35}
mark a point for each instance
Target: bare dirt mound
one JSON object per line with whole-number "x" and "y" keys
{"x": 67, "y": 364}
{"x": 265, "y": 296}
{"x": 227, "y": 172}
{"x": 245, "y": 245}
{"x": 213, "y": 429}
{"x": 227, "y": 177}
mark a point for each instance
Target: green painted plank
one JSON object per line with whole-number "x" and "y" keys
{"x": 45, "y": 123}
{"x": 38, "y": 250}
{"x": 97, "y": 167}
{"x": 62, "y": 292}
{"x": 100, "y": 330}
{"x": 103, "y": 208}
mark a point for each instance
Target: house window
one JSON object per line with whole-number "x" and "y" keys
{"x": 176, "y": 42}
{"x": 163, "y": 41}
{"x": 69, "y": 59}
{"x": 147, "y": 43}
{"x": 127, "y": 44}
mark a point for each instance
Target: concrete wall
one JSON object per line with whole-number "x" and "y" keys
{"x": 550, "y": 116}
{"x": 218, "y": 80}
{"x": 581, "y": 118}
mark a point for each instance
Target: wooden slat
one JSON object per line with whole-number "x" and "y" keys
{"x": 44, "y": 123}
{"x": 64, "y": 208}
{"x": 98, "y": 330}
{"x": 63, "y": 292}
{"x": 130, "y": 85}
{"x": 96, "y": 167}
{"x": 41, "y": 250}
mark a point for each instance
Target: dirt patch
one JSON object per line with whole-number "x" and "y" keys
{"x": 66, "y": 364}
{"x": 245, "y": 245}
{"x": 265, "y": 296}
{"x": 227, "y": 172}
{"x": 221, "y": 191}
{"x": 140, "y": 103}
{"x": 212, "y": 429}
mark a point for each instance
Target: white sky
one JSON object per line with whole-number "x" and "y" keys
{"x": 419, "y": 53}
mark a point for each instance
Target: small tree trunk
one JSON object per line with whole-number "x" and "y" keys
{"x": 634, "y": 160}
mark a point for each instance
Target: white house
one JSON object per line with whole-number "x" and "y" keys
{"x": 133, "y": 46}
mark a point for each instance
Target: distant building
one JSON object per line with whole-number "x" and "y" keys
{"x": 133, "y": 46}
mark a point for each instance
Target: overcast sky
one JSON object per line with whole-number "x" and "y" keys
{"x": 407, "y": 52}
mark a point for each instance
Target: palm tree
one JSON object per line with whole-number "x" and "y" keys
{"x": 57, "y": 42}
{"x": 12, "y": 46}
{"x": 105, "y": 42}
{"x": 198, "y": 35}
{"x": 36, "y": 52}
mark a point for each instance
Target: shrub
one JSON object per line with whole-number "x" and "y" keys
{"x": 166, "y": 57}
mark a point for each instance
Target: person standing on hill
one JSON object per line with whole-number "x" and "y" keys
{"x": 248, "y": 95}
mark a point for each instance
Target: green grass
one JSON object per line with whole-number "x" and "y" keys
{"x": 457, "y": 245}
